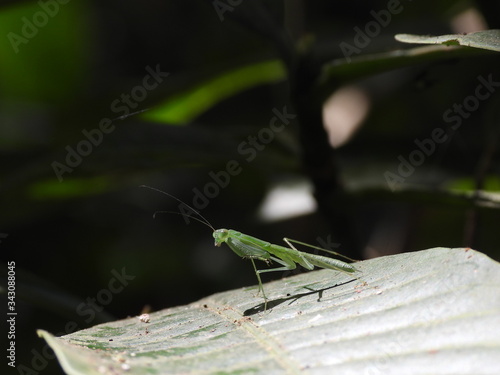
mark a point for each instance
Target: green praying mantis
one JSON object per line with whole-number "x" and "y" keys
{"x": 253, "y": 248}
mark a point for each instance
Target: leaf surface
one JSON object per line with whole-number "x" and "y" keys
{"x": 486, "y": 39}
{"x": 433, "y": 311}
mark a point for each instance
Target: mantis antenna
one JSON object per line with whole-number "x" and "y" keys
{"x": 201, "y": 218}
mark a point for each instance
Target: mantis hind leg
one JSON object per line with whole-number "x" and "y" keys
{"x": 288, "y": 241}
{"x": 303, "y": 261}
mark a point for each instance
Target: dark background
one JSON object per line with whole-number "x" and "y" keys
{"x": 66, "y": 237}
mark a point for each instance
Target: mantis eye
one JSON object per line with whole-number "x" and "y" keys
{"x": 220, "y": 236}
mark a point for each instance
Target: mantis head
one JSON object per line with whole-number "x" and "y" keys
{"x": 220, "y": 235}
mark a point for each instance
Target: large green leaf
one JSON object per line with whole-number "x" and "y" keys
{"x": 430, "y": 312}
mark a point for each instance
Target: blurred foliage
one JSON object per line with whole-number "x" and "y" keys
{"x": 87, "y": 63}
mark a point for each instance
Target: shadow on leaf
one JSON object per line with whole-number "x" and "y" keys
{"x": 276, "y": 302}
